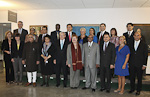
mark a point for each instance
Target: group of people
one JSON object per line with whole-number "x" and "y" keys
{"x": 61, "y": 51}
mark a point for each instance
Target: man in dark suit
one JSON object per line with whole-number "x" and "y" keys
{"x": 107, "y": 61}
{"x": 41, "y": 36}
{"x": 101, "y": 33}
{"x": 137, "y": 61}
{"x": 129, "y": 34}
{"x": 55, "y": 34}
{"x": 21, "y": 31}
{"x": 61, "y": 59}
{"x": 69, "y": 33}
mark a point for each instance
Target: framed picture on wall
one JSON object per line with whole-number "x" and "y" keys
{"x": 145, "y": 30}
{"x": 37, "y": 28}
{"x": 77, "y": 27}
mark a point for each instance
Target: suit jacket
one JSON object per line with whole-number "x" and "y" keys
{"x": 90, "y": 57}
{"x": 54, "y": 36}
{"x": 98, "y": 34}
{"x": 129, "y": 39}
{"x": 15, "y": 52}
{"x": 107, "y": 57}
{"x": 67, "y": 36}
{"x": 23, "y": 34}
{"x": 61, "y": 55}
{"x": 31, "y": 55}
{"x": 139, "y": 57}
{"x": 85, "y": 39}
{"x": 5, "y": 46}
{"x": 69, "y": 53}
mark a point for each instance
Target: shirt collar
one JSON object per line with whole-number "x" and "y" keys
{"x": 90, "y": 43}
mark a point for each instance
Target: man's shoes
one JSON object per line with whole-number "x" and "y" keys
{"x": 34, "y": 84}
{"x": 102, "y": 89}
{"x": 43, "y": 84}
{"x": 93, "y": 90}
{"x": 84, "y": 88}
{"x": 131, "y": 91}
{"x": 47, "y": 85}
{"x": 137, "y": 93}
{"x": 107, "y": 91}
{"x": 57, "y": 85}
{"x": 27, "y": 84}
{"x": 65, "y": 86}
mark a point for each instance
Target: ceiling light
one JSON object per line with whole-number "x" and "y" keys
{"x": 5, "y": 4}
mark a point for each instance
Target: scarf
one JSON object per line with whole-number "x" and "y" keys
{"x": 76, "y": 57}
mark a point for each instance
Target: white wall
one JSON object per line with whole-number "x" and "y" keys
{"x": 113, "y": 17}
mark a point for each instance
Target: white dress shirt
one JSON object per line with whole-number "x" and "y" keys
{"x": 105, "y": 43}
{"x": 44, "y": 35}
{"x": 70, "y": 34}
{"x": 19, "y": 30}
{"x": 136, "y": 44}
{"x": 90, "y": 44}
{"x": 130, "y": 32}
{"x": 101, "y": 34}
{"x": 62, "y": 43}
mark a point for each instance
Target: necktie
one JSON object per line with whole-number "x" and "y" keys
{"x": 69, "y": 36}
{"x": 129, "y": 34}
{"x": 105, "y": 47}
{"x": 61, "y": 44}
{"x": 136, "y": 45}
{"x": 100, "y": 39}
{"x": 57, "y": 35}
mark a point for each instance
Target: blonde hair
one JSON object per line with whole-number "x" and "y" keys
{"x": 7, "y": 33}
{"x": 83, "y": 29}
{"x": 124, "y": 39}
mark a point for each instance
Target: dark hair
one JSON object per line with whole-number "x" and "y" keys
{"x": 74, "y": 35}
{"x": 48, "y": 36}
{"x": 70, "y": 25}
{"x": 44, "y": 27}
{"x": 93, "y": 30}
{"x": 106, "y": 33}
{"x": 17, "y": 35}
{"x": 129, "y": 24}
{"x": 20, "y": 22}
{"x": 32, "y": 28}
{"x": 57, "y": 24}
{"x": 103, "y": 24}
{"x": 114, "y": 30}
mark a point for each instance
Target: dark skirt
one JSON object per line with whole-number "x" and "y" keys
{"x": 47, "y": 68}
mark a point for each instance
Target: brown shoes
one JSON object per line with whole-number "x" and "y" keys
{"x": 27, "y": 84}
{"x": 34, "y": 84}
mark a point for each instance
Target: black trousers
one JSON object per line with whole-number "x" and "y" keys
{"x": 9, "y": 70}
{"x": 136, "y": 72}
{"x": 105, "y": 72}
{"x": 61, "y": 66}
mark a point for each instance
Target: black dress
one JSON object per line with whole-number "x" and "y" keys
{"x": 48, "y": 68}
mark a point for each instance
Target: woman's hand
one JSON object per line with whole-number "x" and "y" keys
{"x": 8, "y": 52}
{"x": 54, "y": 61}
{"x": 12, "y": 60}
{"x": 124, "y": 67}
{"x": 69, "y": 65}
{"x": 73, "y": 63}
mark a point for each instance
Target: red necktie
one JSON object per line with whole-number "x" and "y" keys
{"x": 69, "y": 36}
{"x": 100, "y": 40}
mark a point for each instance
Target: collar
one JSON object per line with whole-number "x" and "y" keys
{"x": 90, "y": 43}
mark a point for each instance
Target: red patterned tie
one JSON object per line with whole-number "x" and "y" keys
{"x": 69, "y": 37}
